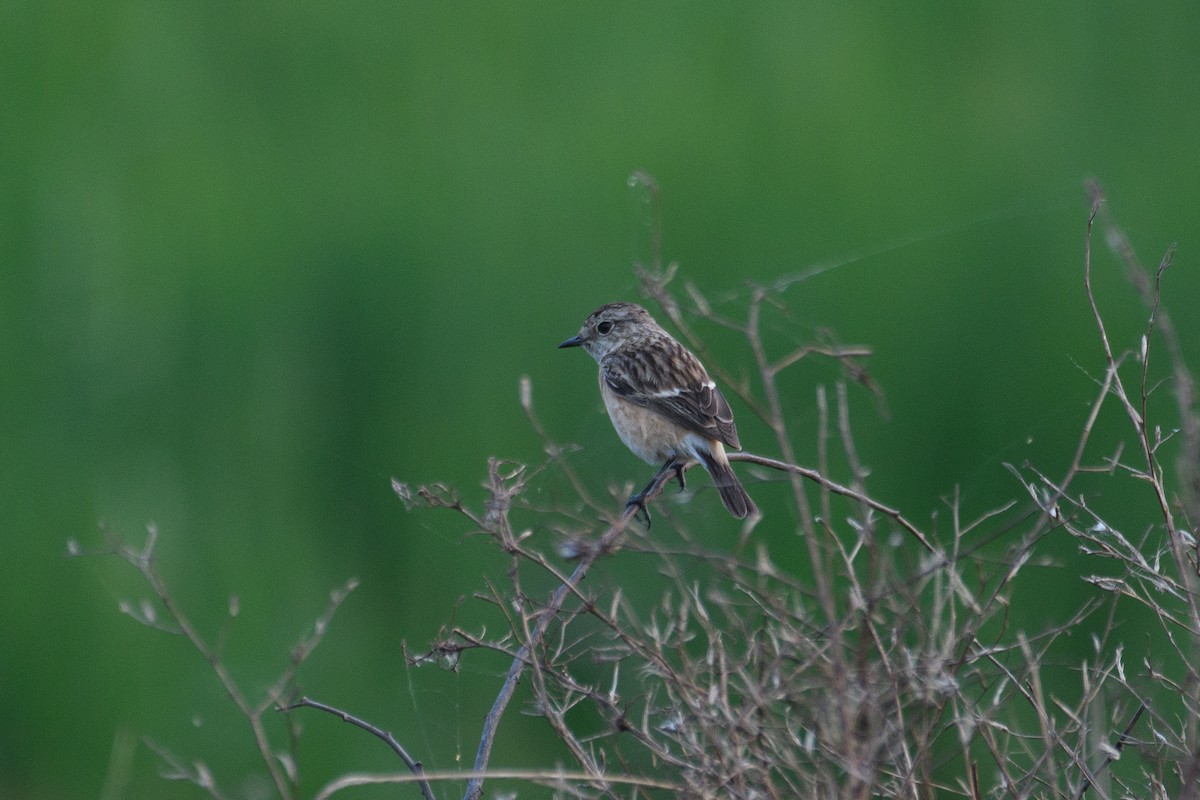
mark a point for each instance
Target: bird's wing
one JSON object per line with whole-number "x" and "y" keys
{"x": 669, "y": 380}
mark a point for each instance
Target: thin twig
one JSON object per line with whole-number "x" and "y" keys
{"x": 550, "y": 777}
{"x": 143, "y": 560}
{"x": 1122, "y": 740}
{"x": 814, "y": 475}
{"x": 546, "y": 617}
{"x": 380, "y": 733}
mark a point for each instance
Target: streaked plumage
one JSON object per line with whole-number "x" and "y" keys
{"x": 662, "y": 402}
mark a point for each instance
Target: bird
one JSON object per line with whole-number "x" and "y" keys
{"x": 662, "y": 402}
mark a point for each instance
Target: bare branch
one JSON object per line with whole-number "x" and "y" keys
{"x": 837, "y": 488}
{"x": 385, "y": 736}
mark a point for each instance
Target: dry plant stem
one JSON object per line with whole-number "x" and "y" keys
{"x": 1137, "y": 416}
{"x": 555, "y": 714}
{"x": 143, "y": 561}
{"x": 1160, "y": 320}
{"x": 837, "y": 670}
{"x": 845, "y": 491}
{"x": 646, "y": 180}
{"x": 385, "y": 736}
{"x": 558, "y": 779}
{"x": 566, "y": 680}
{"x": 873, "y": 641}
{"x": 1185, "y": 384}
{"x": 1153, "y": 472}
{"x": 863, "y": 681}
{"x": 779, "y": 428}
{"x": 870, "y": 732}
{"x": 503, "y": 488}
{"x": 1182, "y": 544}
{"x": 1122, "y": 740}
{"x": 536, "y": 635}
{"x": 195, "y": 772}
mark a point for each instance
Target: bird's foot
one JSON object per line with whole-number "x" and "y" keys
{"x": 639, "y": 501}
{"x": 679, "y": 476}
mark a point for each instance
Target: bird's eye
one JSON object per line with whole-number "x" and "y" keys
{"x": 604, "y": 328}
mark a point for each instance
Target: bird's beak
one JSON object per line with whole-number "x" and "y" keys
{"x": 574, "y": 341}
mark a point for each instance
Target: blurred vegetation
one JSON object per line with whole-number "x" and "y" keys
{"x": 256, "y": 259}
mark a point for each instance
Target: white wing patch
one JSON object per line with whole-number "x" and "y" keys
{"x": 676, "y": 391}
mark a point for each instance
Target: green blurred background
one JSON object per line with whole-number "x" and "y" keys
{"x": 257, "y": 258}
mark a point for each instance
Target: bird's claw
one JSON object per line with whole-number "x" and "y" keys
{"x": 679, "y": 477}
{"x": 639, "y": 501}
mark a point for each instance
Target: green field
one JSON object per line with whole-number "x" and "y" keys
{"x": 256, "y": 260}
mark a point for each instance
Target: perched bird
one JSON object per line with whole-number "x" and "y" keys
{"x": 661, "y": 401}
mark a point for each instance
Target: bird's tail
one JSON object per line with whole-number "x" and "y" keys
{"x": 732, "y": 494}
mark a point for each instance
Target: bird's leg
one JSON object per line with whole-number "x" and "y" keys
{"x": 678, "y": 465}
{"x": 639, "y": 499}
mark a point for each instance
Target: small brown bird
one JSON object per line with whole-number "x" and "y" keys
{"x": 661, "y": 401}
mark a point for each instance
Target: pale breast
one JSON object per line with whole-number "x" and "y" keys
{"x": 650, "y": 436}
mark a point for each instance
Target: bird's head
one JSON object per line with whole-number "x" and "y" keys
{"x": 610, "y": 326}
